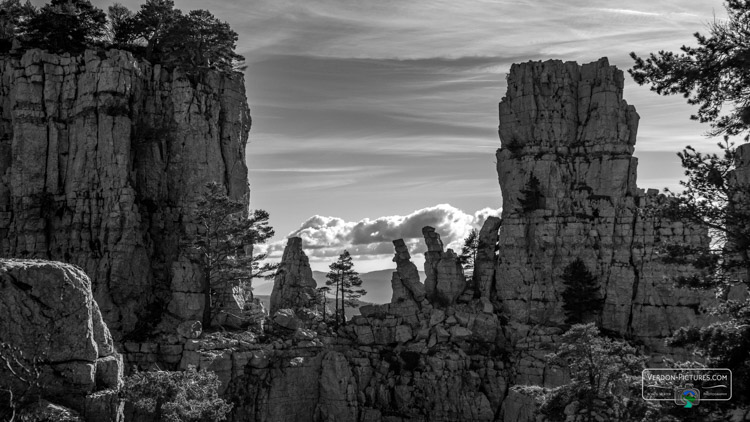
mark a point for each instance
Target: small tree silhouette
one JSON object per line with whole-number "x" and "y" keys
{"x": 581, "y": 297}
{"x": 532, "y": 196}
{"x": 343, "y": 277}
{"x": 468, "y": 255}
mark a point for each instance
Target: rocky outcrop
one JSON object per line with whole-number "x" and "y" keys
{"x": 47, "y": 311}
{"x": 405, "y": 281}
{"x": 102, "y": 158}
{"x": 293, "y": 286}
{"x": 568, "y": 180}
{"x": 444, "y": 276}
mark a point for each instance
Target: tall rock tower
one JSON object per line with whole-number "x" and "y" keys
{"x": 102, "y": 158}
{"x": 568, "y": 181}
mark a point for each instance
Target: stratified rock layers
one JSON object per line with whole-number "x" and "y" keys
{"x": 102, "y": 158}
{"x": 568, "y": 180}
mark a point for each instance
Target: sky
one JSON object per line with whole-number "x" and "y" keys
{"x": 372, "y": 118}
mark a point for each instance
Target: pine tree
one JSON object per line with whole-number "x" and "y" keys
{"x": 605, "y": 378}
{"x": 581, "y": 297}
{"x": 343, "y": 279}
{"x": 199, "y": 40}
{"x": 714, "y": 75}
{"x": 468, "y": 255}
{"x": 321, "y": 298}
{"x": 65, "y": 26}
{"x": 118, "y": 21}
{"x": 13, "y": 14}
{"x": 150, "y": 27}
{"x": 532, "y": 198}
{"x": 224, "y": 242}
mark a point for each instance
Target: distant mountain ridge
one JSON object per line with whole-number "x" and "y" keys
{"x": 376, "y": 283}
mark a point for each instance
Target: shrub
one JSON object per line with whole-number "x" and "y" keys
{"x": 19, "y": 380}
{"x": 179, "y": 396}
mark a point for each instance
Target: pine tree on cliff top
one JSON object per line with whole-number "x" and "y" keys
{"x": 65, "y": 26}
{"x": 224, "y": 242}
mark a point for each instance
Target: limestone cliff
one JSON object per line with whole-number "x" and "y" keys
{"x": 101, "y": 159}
{"x": 568, "y": 180}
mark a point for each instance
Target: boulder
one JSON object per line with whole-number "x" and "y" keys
{"x": 286, "y": 318}
{"x": 190, "y": 329}
{"x": 47, "y": 311}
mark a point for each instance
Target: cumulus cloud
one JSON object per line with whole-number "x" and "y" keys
{"x": 325, "y": 237}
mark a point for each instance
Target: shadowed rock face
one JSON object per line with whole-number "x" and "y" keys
{"x": 47, "y": 310}
{"x": 293, "y": 286}
{"x": 102, "y": 158}
{"x": 484, "y": 267}
{"x": 568, "y": 127}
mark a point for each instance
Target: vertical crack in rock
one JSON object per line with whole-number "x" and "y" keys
{"x": 104, "y": 125}
{"x": 630, "y": 330}
{"x": 484, "y": 267}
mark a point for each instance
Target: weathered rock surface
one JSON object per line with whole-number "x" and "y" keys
{"x": 405, "y": 281}
{"x": 102, "y": 158}
{"x": 294, "y": 285}
{"x": 444, "y": 276}
{"x": 48, "y": 311}
{"x": 567, "y": 127}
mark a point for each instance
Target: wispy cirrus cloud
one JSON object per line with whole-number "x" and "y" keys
{"x": 372, "y": 108}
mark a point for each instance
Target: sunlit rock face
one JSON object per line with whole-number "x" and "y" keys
{"x": 568, "y": 180}
{"x": 293, "y": 286}
{"x": 102, "y": 157}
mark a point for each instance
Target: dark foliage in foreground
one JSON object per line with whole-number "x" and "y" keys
{"x": 604, "y": 382}
{"x": 179, "y": 396}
